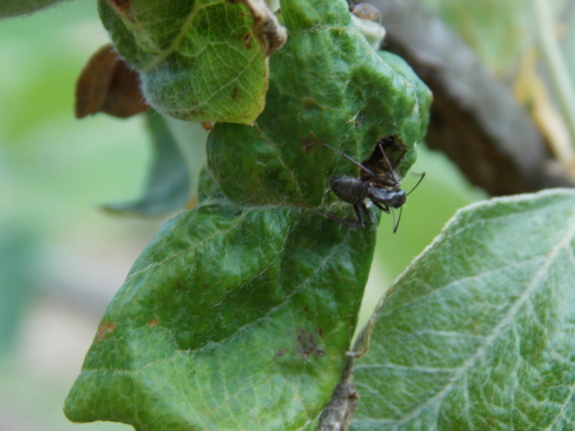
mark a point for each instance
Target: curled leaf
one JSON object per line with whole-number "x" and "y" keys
{"x": 107, "y": 84}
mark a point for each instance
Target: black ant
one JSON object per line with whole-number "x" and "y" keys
{"x": 383, "y": 188}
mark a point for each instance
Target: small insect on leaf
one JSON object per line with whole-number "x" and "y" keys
{"x": 380, "y": 183}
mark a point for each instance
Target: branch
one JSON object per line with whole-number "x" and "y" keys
{"x": 474, "y": 117}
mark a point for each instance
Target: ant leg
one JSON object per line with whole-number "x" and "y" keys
{"x": 356, "y": 163}
{"x": 388, "y": 163}
{"x": 358, "y": 208}
{"x": 347, "y": 222}
{"x": 383, "y": 182}
{"x": 390, "y": 210}
{"x": 382, "y": 207}
{"x": 365, "y": 209}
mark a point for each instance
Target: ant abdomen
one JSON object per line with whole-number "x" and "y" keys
{"x": 349, "y": 189}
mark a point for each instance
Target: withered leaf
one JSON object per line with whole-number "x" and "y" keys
{"x": 107, "y": 84}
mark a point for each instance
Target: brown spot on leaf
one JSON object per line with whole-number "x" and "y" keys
{"x": 104, "y": 329}
{"x": 248, "y": 41}
{"x": 194, "y": 199}
{"x": 307, "y": 143}
{"x": 101, "y": 332}
{"x": 124, "y": 7}
{"x": 235, "y": 92}
{"x": 307, "y": 344}
{"x": 207, "y": 125}
{"x": 107, "y": 84}
{"x": 153, "y": 323}
{"x": 121, "y": 4}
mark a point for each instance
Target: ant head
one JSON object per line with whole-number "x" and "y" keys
{"x": 399, "y": 198}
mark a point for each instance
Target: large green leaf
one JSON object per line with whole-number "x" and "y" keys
{"x": 479, "y": 333}
{"x": 202, "y": 60}
{"x": 238, "y": 315}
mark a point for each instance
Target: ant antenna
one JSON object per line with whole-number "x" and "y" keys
{"x": 396, "y": 225}
{"x": 388, "y": 163}
{"x": 359, "y": 165}
{"x": 415, "y": 186}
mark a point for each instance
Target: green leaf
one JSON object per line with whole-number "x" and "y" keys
{"x": 478, "y": 333}
{"x": 169, "y": 184}
{"x": 11, "y": 8}
{"x": 200, "y": 339}
{"x": 239, "y": 314}
{"x": 201, "y": 60}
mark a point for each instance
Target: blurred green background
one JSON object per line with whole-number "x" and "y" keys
{"x": 61, "y": 257}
